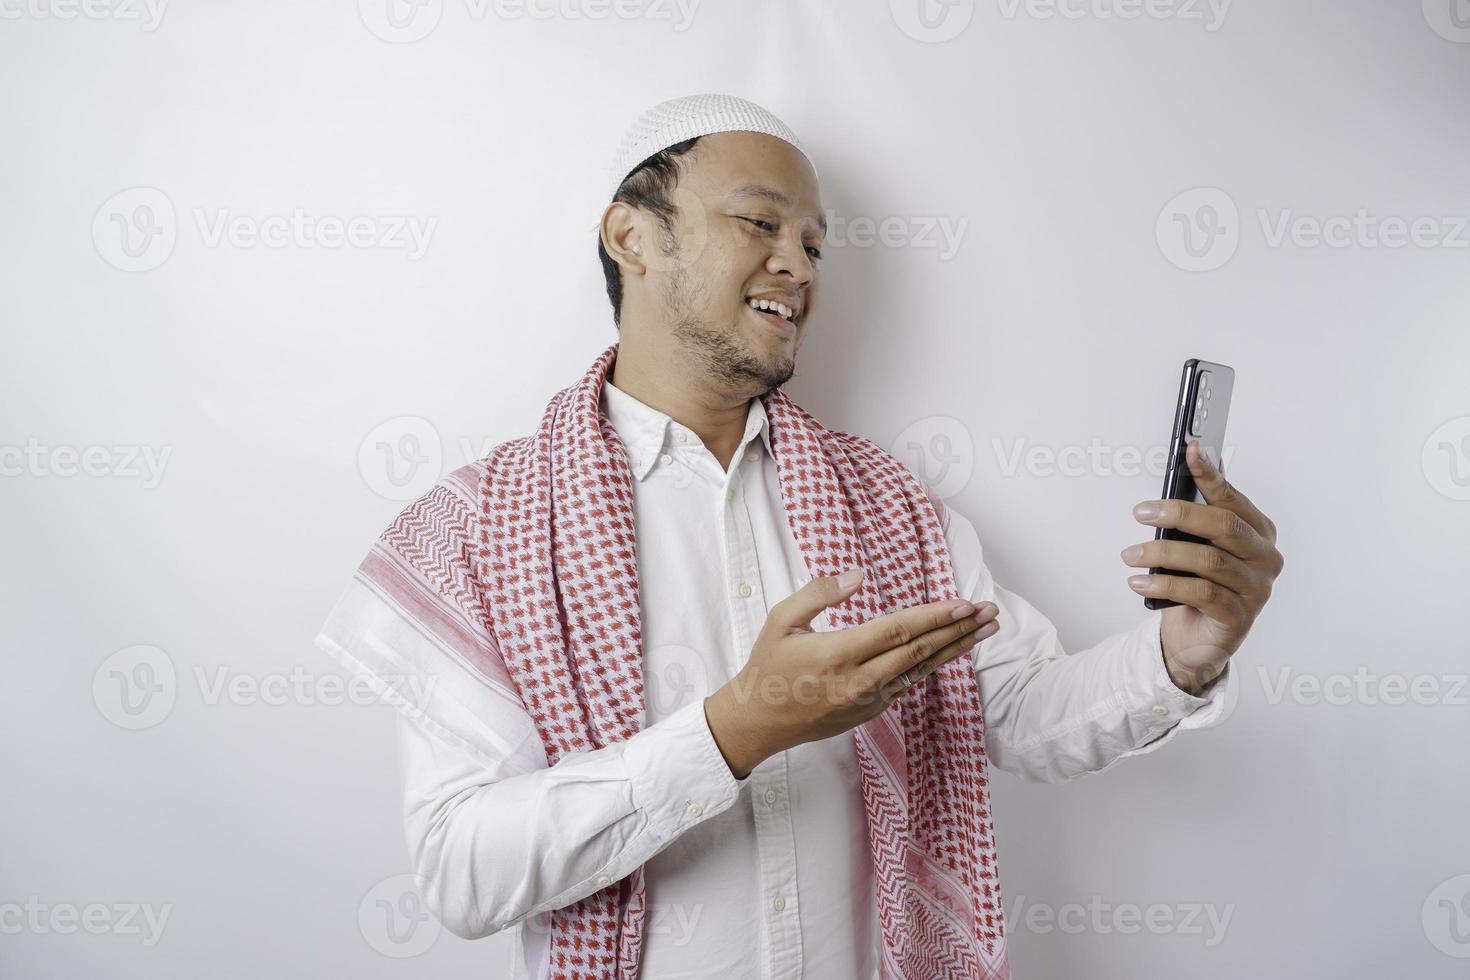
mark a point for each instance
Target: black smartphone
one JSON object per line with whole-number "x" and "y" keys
{"x": 1204, "y": 405}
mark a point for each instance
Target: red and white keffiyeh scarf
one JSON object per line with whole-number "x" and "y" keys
{"x": 551, "y": 569}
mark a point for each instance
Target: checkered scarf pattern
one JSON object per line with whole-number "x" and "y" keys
{"x": 556, "y": 553}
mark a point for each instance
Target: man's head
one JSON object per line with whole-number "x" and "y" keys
{"x": 699, "y": 228}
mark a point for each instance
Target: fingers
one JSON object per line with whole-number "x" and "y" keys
{"x": 1211, "y": 598}
{"x": 894, "y": 687}
{"x": 906, "y": 656}
{"x": 1221, "y": 527}
{"x": 794, "y": 614}
{"x": 1219, "y": 492}
{"x": 908, "y": 627}
{"x": 1203, "y": 560}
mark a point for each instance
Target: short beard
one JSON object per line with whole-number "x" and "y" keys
{"x": 724, "y": 357}
{"x": 729, "y": 362}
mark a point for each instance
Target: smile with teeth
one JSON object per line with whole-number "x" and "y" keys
{"x": 771, "y": 306}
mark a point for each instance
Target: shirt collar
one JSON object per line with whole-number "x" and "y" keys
{"x": 646, "y": 431}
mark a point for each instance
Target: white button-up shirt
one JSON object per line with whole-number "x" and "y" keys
{"x": 768, "y": 876}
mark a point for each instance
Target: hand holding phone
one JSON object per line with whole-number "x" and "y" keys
{"x": 1199, "y": 416}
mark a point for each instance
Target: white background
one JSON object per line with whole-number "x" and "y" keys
{"x": 1327, "y": 824}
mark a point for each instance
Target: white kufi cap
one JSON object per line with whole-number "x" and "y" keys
{"x": 687, "y": 117}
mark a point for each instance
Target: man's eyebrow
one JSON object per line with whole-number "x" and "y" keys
{"x": 775, "y": 197}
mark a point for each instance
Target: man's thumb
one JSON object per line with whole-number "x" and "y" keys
{"x": 809, "y": 600}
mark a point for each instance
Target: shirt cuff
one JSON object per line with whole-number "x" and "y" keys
{"x": 1158, "y": 708}
{"x": 678, "y": 774}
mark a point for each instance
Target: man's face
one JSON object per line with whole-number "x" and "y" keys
{"x": 749, "y": 225}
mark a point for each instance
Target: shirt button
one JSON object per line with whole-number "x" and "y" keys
{"x": 694, "y": 810}
{"x": 666, "y": 459}
{"x": 744, "y": 589}
{"x": 770, "y": 796}
{"x": 779, "y": 903}
{"x": 1159, "y": 709}
{"x": 604, "y": 880}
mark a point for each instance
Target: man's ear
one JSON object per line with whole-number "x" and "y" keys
{"x": 622, "y": 236}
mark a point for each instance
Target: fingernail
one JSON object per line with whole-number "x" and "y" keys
{"x": 1133, "y": 552}
{"x": 1138, "y": 582}
{"x": 963, "y": 610}
{"x": 850, "y": 578}
{"x": 1146, "y": 511}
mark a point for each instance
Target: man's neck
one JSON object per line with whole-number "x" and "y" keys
{"x": 662, "y": 380}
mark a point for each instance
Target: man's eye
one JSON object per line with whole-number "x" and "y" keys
{"x": 764, "y": 225}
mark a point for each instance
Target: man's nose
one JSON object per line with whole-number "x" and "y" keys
{"x": 789, "y": 255}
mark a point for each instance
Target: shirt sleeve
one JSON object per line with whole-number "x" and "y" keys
{"x": 1052, "y": 716}
{"x": 494, "y": 847}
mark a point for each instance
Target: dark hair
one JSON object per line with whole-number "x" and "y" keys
{"x": 647, "y": 186}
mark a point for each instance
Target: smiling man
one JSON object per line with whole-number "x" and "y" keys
{"x": 693, "y": 685}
